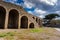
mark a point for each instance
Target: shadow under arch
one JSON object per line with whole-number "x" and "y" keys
{"x": 24, "y": 22}
{"x": 37, "y": 20}
{"x": 13, "y": 19}
{"x": 2, "y": 17}
{"x": 31, "y": 25}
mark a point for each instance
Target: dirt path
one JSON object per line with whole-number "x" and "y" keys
{"x": 30, "y": 34}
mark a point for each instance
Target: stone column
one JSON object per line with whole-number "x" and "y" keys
{"x": 6, "y": 20}
{"x": 19, "y": 22}
{"x": 28, "y": 23}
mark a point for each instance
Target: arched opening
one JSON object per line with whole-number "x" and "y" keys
{"x": 24, "y": 22}
{"x": 40, "y": 22}
{"x": 13, "y": 19}
{"x": 33, "y": 17}
{"x": 31, "y": 25}
{"x": 37, "y": 20}
{"x": 2, "y": 17}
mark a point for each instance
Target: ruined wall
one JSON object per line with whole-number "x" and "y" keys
{"x": 16, "y": 16}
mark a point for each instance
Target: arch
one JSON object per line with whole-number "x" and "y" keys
{"x": 33, "y": 17}
{"x": 13, "y": 19}
{"x": 31, "y": 25}
{"x": 2, "y": 17}
{"x": 24, "y": 22}
{"x": 37, "y": 20}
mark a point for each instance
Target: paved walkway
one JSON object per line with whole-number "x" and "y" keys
{"x": 58, "y": 29}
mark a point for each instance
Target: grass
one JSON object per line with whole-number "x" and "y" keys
{"x": 37, "y": 30}
{"x": 6, "y": 34}
{"x": 29, "y": 34}
{"x": 10, "y": 33}
{"x": 2, "y": 34}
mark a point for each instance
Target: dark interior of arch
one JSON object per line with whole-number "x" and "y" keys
{"x": 31, "y": 25}
{"x": 33, "y": 17}
{"x": 13, "y": 19}
{"x": 37, "y": 20}
{"x": 24, "y": 22}
{"x": 2, "y": 17}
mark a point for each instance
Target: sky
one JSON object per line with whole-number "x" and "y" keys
{"x": 39, "y": 8}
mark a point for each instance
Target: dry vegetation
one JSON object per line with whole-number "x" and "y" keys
{"x": 30, "y": 34}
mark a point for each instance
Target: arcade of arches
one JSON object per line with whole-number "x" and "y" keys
{"x": 13, "y": 19}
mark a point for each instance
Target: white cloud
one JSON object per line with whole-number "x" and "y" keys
{"x": 38, "y": 11}
{"x": 37, "y": 2}
{"x": 41, "y": 16}
{"x": 28, "y": 4}
{"x": 50, "y": 2}
{"x": 58, "y": 12}
{"x": 41, "y": 13}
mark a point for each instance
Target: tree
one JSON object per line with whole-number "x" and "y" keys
{"x": 49, "y": 17}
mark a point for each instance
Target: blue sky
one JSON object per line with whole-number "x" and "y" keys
{"x": 39, "y": 8}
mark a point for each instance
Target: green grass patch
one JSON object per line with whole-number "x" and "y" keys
{"x": 2, "y": 34}
{"x": 6, "y": 34}
{"x": 10, "y": 33}
{"x": 37, "y": 30}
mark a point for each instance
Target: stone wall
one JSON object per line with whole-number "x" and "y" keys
{"x": 15, "y": 16}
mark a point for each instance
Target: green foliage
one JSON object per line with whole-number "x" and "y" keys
{"x": 2, "y": 34}
{"x": 51, "y": 16}
{"x": 10, "y": 33}
{"x": 6, "y": 34}
{"x": 37, "y": 30}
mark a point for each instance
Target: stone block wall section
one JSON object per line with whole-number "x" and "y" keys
{"x": 15, "y": 17}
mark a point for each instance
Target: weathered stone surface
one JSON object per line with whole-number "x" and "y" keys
{"x": 15, "y": 16}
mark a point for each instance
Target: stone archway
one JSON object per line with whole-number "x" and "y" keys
{"x": 37, "y": 20}
{"x": 13, "y": 19}
{"x": 2, "y": 17}
{"x": 31, "y": 25}
{"x": 24, "y": 22}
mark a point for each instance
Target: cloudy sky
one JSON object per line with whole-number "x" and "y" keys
{"x": 39, "y": 7}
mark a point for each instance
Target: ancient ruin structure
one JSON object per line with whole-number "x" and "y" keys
{"x": 15, "y": 17}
